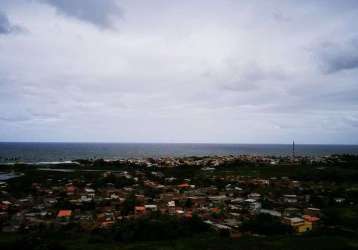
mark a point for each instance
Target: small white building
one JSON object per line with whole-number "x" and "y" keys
{"x": 151, "y": 208}
{"x": 290, "y": 198}
{"x": 252, "y": 205}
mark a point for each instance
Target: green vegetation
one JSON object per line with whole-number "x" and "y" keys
{"x": 344, "y": 217}
{"x": 265, "y": 224}
{"x": 158, "y": 227}
{"x": 209, "y": 241}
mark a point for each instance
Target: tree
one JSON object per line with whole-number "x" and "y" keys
{"x": 129, "y": 204}
{"x": 266, "y": 224}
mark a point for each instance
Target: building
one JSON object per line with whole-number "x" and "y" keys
{"x": 299, "y": 225}
{"x": 290, "y": 198}
{"x": 64, "y": 215}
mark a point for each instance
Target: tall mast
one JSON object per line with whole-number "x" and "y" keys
{"x": 293, "y": 149}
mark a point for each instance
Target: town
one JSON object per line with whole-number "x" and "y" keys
{"x": 231, "y": 196}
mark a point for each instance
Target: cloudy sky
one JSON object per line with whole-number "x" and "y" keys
{"x": 225, "y": 71}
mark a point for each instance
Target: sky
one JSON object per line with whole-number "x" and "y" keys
{"x": 201, "y": 71}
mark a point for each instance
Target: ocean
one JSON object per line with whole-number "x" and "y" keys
{"x": 59, "y": 152}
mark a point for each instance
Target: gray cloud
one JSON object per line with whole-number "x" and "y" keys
{"x": 28, "y": 116}
{"x": 352, "y": 121}
{"x": 253, "y": 77}
{"x": 280, "y": 17}
{"x": 97, "y": 12}
{"x": 5, "y": 26}
{"x": 337, "y": 57}
{"x": 14, "y": 118}
{"x": 260, "y": 83}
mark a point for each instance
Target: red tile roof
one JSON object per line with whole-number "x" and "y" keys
{"x": 215, "y": 210}
{"x": 183, "y": 185}
{"x": 64, "y": 213}
{"x": 310, "y": 218}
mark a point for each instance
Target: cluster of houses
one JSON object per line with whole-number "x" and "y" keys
{"x": 223, "y": 201}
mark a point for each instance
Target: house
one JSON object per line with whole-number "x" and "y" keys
{"x": 339, "y": 200}
{"x": 233, "y": 223}
{"x": 188, "y": 214}
{"x": 252, "y": 205}
{"x": 84, "y": 198}
{"x": 264, "y": 182}
{"x": 218, "y": 198}
{"x": 151, "y": 208}
{"x": 254, "y": 196}
{"x": 292, "y": 212}
{"x": 305, "y": 227}
{"x": 6, "y": 205}
{"x": 298, "y": 224}
{"x": 208, "y": 169}
{"x": 180, "y": 212}
{"x": 114, "y": 197}
{"x": 290, "y": 198}
{"x": 3, "y": 184}
{"x": 312, "y": 211}
{"x": 183, "y": 186}
{"x": 237, "y": 200}
{"x": 311, "y": 219}
{"x": 218, "y": 227}
{"x": 90, "y": 192}
{"x": 139, "y": 210}
{"x": 198, "y": 201}
{"x": 171, "y": 207}
{"x": 49, "y": 202}
{"x": 271, "y": 212}
{"x": 70, "y": 189}
{"x": 215, "y": 210}
{"x": 64, "y": 215}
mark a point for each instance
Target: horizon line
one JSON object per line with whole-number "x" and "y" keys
{"x": 198, "y": 143}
